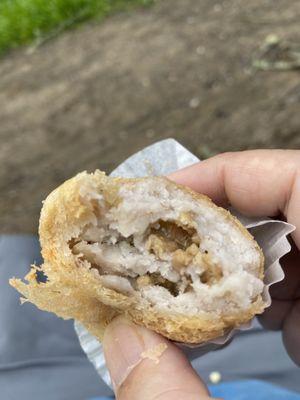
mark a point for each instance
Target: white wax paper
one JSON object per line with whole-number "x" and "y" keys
{"x": 165, "y": 157}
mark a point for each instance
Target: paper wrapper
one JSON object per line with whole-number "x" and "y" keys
{"x": 163, "y": 158}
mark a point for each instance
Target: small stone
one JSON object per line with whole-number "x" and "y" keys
{"x": 271, "y": 39}
{"x": 194, "y": 102}
{"x": 200, "y": 50}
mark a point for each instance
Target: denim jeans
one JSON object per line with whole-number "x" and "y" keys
{"x": 244, "y": 390}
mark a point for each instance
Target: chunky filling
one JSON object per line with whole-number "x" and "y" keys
{"x": 182, "y": 244}
{"x": 163, "y": 242}
{"x": 155, "y": 242}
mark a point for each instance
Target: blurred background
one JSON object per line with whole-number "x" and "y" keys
{"x": 84, "y": 84}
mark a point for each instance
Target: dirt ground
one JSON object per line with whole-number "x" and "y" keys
{"x": 91, "y": 97}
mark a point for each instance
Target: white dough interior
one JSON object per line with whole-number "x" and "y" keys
{"x": 116, "y": 243}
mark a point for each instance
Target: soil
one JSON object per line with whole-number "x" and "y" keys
{"x": 184, "y": 69}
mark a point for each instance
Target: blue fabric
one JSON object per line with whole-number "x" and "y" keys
{"x": 249, "y": 390}
{"x": 245, "y": 390}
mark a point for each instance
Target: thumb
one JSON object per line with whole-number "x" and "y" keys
{"x": 144, "y": 365}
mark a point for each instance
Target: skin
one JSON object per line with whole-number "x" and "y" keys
{"x": 257, "y": 183}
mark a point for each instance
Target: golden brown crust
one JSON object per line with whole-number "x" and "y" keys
{"x": 76, "y": 292}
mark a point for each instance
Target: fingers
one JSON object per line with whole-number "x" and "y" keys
{"x": 287, "y": 288}
{"x": 144, "y": 365}
{"x": 283, "y": 293}
{"x": 274, "y": 316}
{"x": 257, "y": 183}
{"x": 291, "y": 333}
{"x": 293, "y": 204}
{"x": 260, "y": 183}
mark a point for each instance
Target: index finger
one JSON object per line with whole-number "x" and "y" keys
{"x": 257, "y": 182}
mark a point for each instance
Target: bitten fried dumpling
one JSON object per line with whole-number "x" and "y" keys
{"x": 163, "y": 255}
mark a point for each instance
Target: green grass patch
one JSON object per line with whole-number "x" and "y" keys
{"x": 24, "y": 21}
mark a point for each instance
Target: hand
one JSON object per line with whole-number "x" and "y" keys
{"x": 145, "y": 366}
{"x": 261, "y": 183}
{"x": 257, "y": 183}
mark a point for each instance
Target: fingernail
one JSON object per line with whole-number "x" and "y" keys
{"x": 124, "y": 345}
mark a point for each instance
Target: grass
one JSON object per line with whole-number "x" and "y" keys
{"x": 24, "y": 21}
